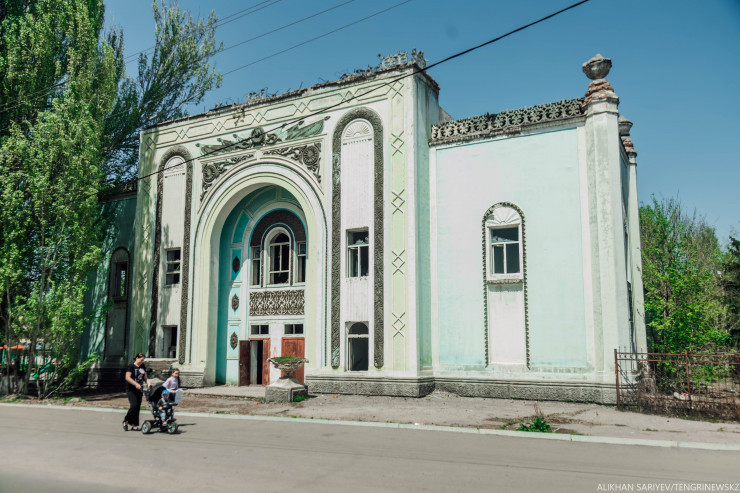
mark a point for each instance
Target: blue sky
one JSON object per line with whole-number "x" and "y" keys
{"x": 676, "y": 69}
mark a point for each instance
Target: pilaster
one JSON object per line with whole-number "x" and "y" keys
{"x": 633, "y": 214}
{"x": 611, "y": 316}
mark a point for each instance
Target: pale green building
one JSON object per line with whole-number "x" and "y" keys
{"x": 355, "y": 223}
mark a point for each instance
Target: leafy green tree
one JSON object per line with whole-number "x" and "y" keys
{"x": 681, "y": 258}
{"x": 176, "y": 74}
{"x": 69, "y": 122}
{"x": 51, "y": 163}
{"x": 731, "y": 284}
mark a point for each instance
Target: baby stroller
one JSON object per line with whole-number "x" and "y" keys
{"x": 163, "y": 419}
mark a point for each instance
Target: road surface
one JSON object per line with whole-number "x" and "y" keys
{"x": 78, "y": 451}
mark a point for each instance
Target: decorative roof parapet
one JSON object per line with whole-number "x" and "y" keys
{"x": 505, "y": 122}
{"x": 400, "y": 59}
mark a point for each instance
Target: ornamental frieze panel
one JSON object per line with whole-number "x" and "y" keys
{"x": 258, "y": 138}
{"x": 283, "y": 302}
{"x": 211, "y": 171}
{"x": 308, "y": 155}
{"x": 483, "y": 125}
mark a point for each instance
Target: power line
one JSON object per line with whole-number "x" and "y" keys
{"x": 219, "y": 23}
{"x": 284, "y": 27}
{"x": 318, "y": 37}
{"x": 49, "y": 90}
{"x": 132, "y": 57}
{"x": 416, "y": 71}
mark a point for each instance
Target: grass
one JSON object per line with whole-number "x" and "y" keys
{"x": 539, "y": 425}
{"x": 300, "y": 398}
{"x": 507, "y": 424}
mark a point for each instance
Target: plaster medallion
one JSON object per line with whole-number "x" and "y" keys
{"x": 235, "y": 302}
{"x": 310, "y": 155}
{"x": 234, "y": 340}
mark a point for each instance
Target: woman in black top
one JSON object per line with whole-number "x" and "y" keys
{"x": 135, "y": 378}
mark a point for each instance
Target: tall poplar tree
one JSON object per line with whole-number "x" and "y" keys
{"x": 69, "y": 122}
{"x": 58, "y": 86}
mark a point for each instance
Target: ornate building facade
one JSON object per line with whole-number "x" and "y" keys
{"x": 356, "y": 224}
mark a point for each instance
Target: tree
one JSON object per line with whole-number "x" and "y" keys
{"x": 681, "y": 258}
{"x": 69, "y": 122}
{"x": 177, "y": 74}
{"x": 51, "y": 163}
{"x": 731, "y": 285}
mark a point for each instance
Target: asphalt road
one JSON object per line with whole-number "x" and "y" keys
{"x": 79, "y": 451}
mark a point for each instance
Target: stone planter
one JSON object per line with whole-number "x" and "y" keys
{"x": 288, "y": 366}
{"x": 287, "y": 387}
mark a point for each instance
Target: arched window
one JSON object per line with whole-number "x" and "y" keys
{"x": 358, "y": 347}
{"x": 119, "y": 279}
{"x": 278, "y": 257}
{"x": 277, "y": 250}
{"x": 505, "y": 285}
{"x": 503, "y": 230}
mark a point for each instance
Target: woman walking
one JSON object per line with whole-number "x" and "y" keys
{"x": 135, "y": 378}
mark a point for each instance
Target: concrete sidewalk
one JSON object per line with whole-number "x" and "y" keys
{"x": 435, "y": 410}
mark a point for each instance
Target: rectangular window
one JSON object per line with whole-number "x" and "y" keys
{"x": 504, "y": 250}
{"x": 358, "y": 254}
{"x": 173, "y": 267}
{"x": 120, "y": 279}
{"x": 259, "y": 330}
{"x": 293, "y": 329}
{"x": 300, "y": 267}
{"x": 256, "y": 266}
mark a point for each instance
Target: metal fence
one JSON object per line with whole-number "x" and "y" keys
{"x": 682, "y": 384}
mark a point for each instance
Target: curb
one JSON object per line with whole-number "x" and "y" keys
{"x": 404, "y": 426}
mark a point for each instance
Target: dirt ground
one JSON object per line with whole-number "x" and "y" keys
{"x": 444, "y": 409}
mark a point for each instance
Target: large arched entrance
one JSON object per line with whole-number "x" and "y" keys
{"x": 259, "y": 275}
{"x": 262, "y": 283}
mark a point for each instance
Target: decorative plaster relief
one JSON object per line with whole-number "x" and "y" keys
{"x": 308, "y": 155}
{"x": 492, "y": 124}
{"x": 399, "y": 59}
{"x": 336, "y": 235}
{"x": 257, "y": 138}
{"x": 282, "y": 302}
{"x": 234, "y": 340}
{"x": 235, "y": 303}
{"x": 185, "y": 258}
{"x": 211, "y": 171}
{"x": 501, "y": 214}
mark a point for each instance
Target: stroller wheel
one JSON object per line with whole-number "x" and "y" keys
{"x": 146, "y": 427}
{"x": 172, "y": 428}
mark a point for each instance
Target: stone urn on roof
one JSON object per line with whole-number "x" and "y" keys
{"x": 599, "y": 89}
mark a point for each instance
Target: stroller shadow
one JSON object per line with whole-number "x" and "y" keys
{"x": 180, "y": 427}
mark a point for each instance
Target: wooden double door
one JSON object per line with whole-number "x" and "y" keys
{"x": 254, "y": 369}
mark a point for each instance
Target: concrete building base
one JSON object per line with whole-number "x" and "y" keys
{"x": 602, "y": 393}
{"x": 499, "y": 388}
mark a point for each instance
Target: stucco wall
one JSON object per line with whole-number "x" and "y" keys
{"x": 119, "y": 233}
{"x": 540, "y": 174}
